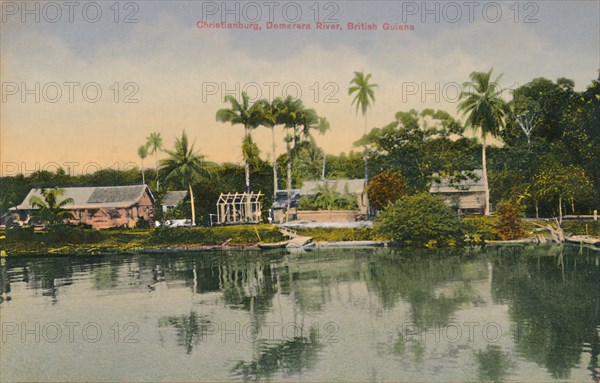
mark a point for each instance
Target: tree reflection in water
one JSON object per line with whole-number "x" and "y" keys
{"x": 290, "y": 357}
{"x": 494, "y": 364}
{"x": 190, "y": 328}
{"x": 554, "y": 304}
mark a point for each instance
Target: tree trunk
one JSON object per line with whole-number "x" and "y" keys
{"x": 572, "y": 206}
{"x": 156, "y": 165}
{"x": 275, "y": 186}
{"x": 560, "y": 209}
{"x": 324, "y": 163}
{"x": 192, "y": 203}
{"x": 246, "y": 163}
{"x": 289, "y": 182}
{"x": 485, "y": 177}
{"x": 143, "y": 176}
{"x": 537, "y": 210}
{"x": 366, "y": 156}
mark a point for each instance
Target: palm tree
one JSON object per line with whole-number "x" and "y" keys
{"x": 155, "y": 143}
{"x": 269, "y": 115}
{"x": 143, "y": 153}
{"x": 364, "y": 97}
{"x": 185, "y": 165}
{"x": 299, "y": 122}
{"x": 50, "y": 209}
{"x": 245, "y": 114}
{"x": 482, "y": 102}
{"x": 289, "y": 110}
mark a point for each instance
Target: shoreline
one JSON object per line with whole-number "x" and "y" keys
{"x": 291, "y": 246}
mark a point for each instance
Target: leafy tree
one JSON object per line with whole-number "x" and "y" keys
{"x": 562, "y": 182}
{"x": 143, "y": 153}
{"x": 364, "y": 97}
{"x": 510, "y": 223}
{"x": 421, "y": 144}
{"x": 185, "y": 165}
{"x": 51, "y": 210}
{"x": 155, "y": 144}
{"x": 420, "y": 220}
{"x": 483, "y": 103}
{"x": 384, "y": 188}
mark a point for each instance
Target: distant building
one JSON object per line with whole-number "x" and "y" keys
{"x": 354, "y": 187}
{"x": 466, "y": 197}
{"x": 279, "y": 206}
{"x": 172, "y": 199}
{"x": 101, "y": 207}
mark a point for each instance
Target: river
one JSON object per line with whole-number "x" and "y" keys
{"x": 509, "y": 313}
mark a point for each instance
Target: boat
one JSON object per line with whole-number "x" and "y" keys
{"x": 274, "y": 245}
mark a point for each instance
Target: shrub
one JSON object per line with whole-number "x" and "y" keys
{"x": 510, "y": 223}
{"x": 420, "y": 220}
{"x": 481, "y": 229}
{"x": 384, "y": 188}
{"x": 215, "y": 235}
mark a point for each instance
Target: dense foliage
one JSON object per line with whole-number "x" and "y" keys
{"x": 384, "y": 188}
{"x": 510, "y": 223}
{"x": 420, "y": 220}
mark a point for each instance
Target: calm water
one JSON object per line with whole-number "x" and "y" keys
{"x": 526, "y": 314}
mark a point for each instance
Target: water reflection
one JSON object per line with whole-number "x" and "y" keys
{"x": 291, "y": 357}
{"x": 549, "y": 296}
{"x": 190, "y": 328}
{"x": 554, "y": 305}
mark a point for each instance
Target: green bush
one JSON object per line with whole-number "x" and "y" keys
{"x": 215, "y": 235}
{"x": 481, "y": 229}
{"x": 510, "y": 224}
{"x": 420, "y": 220}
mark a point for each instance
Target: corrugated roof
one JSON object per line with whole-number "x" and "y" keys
{"x": 470, "y": 185}
{"x": 174, "y": 198}
{"x": 93, "y": 197}
{"x": 340, "y": 186}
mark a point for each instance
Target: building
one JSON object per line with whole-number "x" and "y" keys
{"x": 172, "y": 199}
{"x": 279, "y": 206}
{"x": 239, "y": 208}
{"x": 101, "y": 207}
{"x": 466, "y": 196}
{"x": 354, "y": 187}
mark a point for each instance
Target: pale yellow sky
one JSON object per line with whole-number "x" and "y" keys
{"x": 178, "y": 75}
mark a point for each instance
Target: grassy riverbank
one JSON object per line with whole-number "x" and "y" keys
{"x": 72, "y": 240}
{"x": 78, "y": 240}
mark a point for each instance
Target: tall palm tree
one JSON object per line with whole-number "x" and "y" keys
{"x": 483, "y": 103}
{"x": 289, "y": 115}
{"x": 364, "y": 97}
{"x": 269, "y": 114}
{"x": 298, "y": 121}
{"x": 143, "y": 153}
{"x": 155, "y": 144}
{"x": 51, "y": 210}
{"x": 247, "y": 115}
{"x": 185, "y": 165}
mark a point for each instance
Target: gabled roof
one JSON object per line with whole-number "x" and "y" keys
{"x": 473, "y": 184}
{"x": 280, "y": 201}
{"x": 94, "y": 197}
{"x": 340, "y": 186}
{"x": 174, "y": 198}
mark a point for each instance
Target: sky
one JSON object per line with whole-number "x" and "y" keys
{"x": 84, "y": 83}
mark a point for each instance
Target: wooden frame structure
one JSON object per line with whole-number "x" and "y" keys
{"x": 238, "y": 208}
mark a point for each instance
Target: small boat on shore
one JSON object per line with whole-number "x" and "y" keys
{"x": 274, "y": 245}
